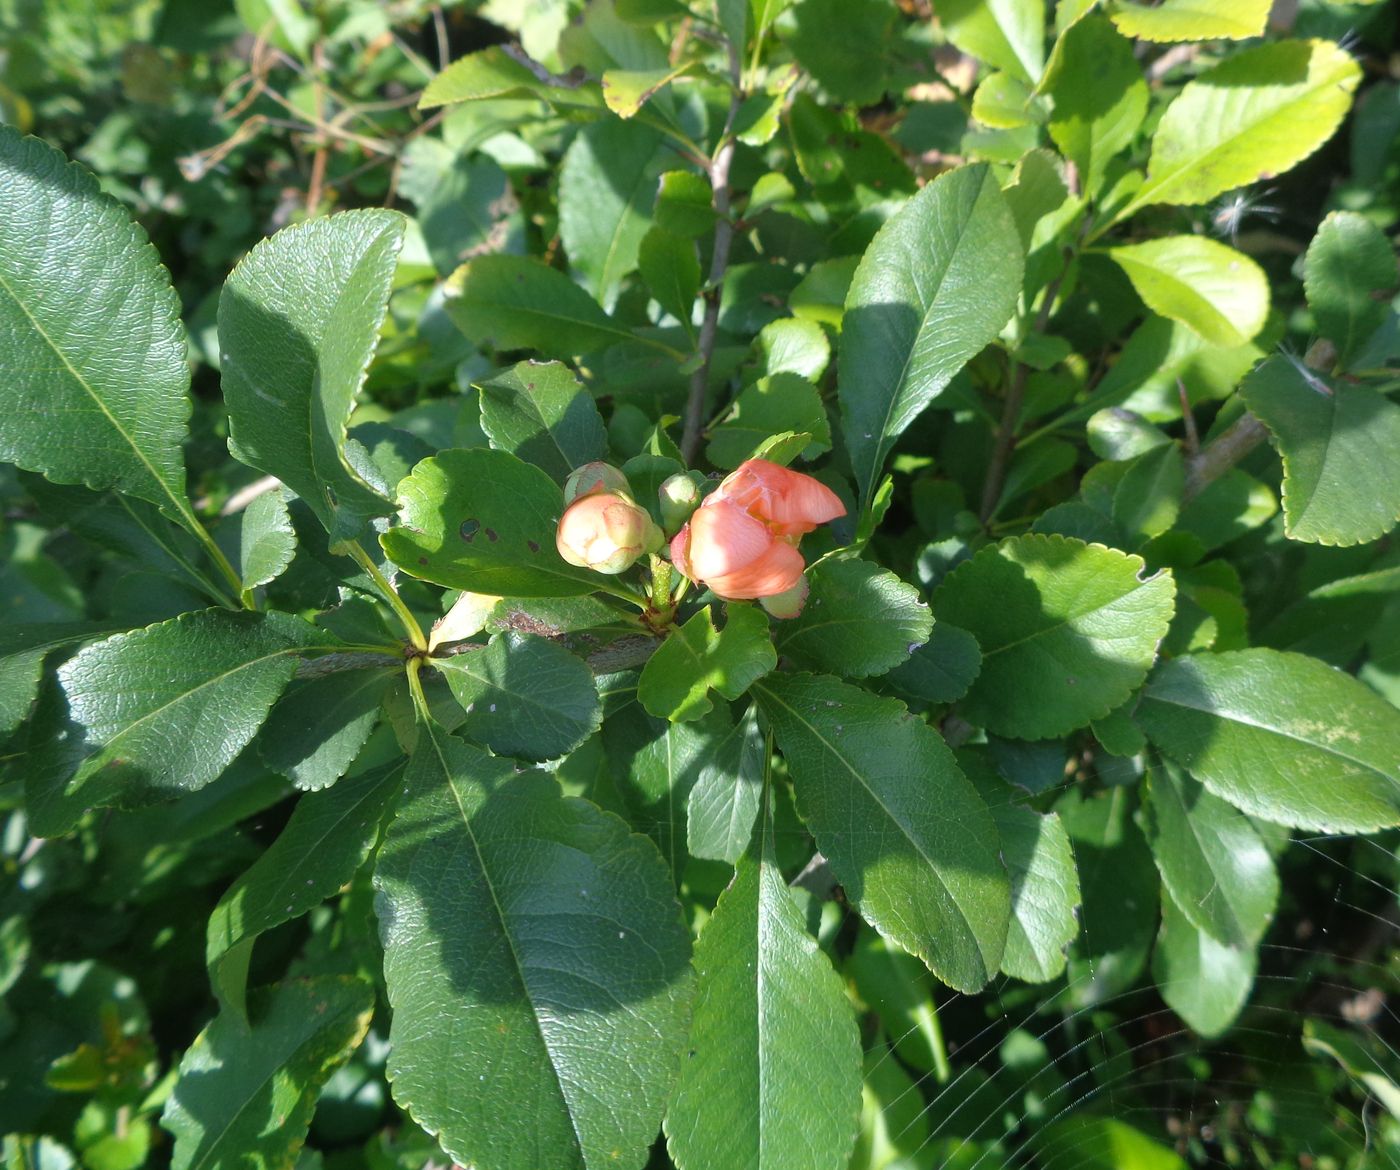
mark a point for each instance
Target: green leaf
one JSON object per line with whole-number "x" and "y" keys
{"x": 728, "y": 792}
{"x": 773, "y": 1076}
{"x": 1211, "y": 859}
{"x": 771, "y": 406}
{"x": 1044, "y": 882}
{"x": 1255, "y": 115}
{"x": 627, "y": 90}
{"x": 1147, "y": 500}
{"x": 484, "y": 521}
{"x": 499, "y": 72}
{"x": 1341, "y": 480}
{"x": 319, "y": 726}
{"x": 1282, "y": 736}
{"x": 1119, "y": 887}
{"x": 607, "y": 186}
{"x": 1192, "y": 20}
{"x": 542, "y": 414}
{"x": 299, "y": 320}
{"x": 511, "y": 302}
{"x": 936, "y": 285}
{"x": 1098, "y": 1143}
{"x": 859, "y": 620}
{"x": 266, "y": 540}
{"x": 463, "y": 201}
{"x": 1003, "y": 101}
{"x": 1007, "y": 34}
{"x": 683, "y": 204}
{"x": 1115, "y": 433}
{"x": 535, "y": 956}
{"x": 1208, "y": 286}
{"x": 671, "y": 269}
{"x": 165, "y": 709}
{"x": 94, "y": 378}
{"x": 843, "y": 45}
{"x": 905, "y": 832}
{"x": 326, "y": 840}
{"x": 695, "y": 659}
{"x": 22, "y": 653}
{"x": 245, "y": 1095}
{"x": 1100, "y": 97}
{"x": 1203, "y": 980}
{"x": 792, "y": 345}
{"x": 1349, "y": 274}
{"x": 1068, "y": 630}
{"x": 942, "y": 669}
{"x": 1368, "y": 1061}
{"x": 655, "y": 764}
{"x": 524, "y": 696}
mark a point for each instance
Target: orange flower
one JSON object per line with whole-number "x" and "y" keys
{"x": 605, "y": 532}
{"x": 742, "y": 541}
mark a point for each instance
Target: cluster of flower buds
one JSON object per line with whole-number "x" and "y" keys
{"x": 603, "y": 528}
{"x": 742, "y": 540}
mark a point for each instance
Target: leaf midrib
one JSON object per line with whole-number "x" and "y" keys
{"x": 177, "y": 500}
{"x": 485, "y": 871}
{"x": 859, "y": 776}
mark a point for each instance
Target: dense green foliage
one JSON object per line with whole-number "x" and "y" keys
{"x": 352, "y": 821}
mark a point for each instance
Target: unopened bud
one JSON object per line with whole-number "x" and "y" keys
{"x": 680, "y": 496}
{"x": 606, "y": 532}
{"x": 592, "y": 478}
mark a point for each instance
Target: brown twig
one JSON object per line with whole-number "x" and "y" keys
{"x": 719, "y": 263}
{"x": 1222, "y": 453}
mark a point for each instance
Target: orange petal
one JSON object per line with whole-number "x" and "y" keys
{"x": 777, "y": 571}
{"x": 724, "y": 539}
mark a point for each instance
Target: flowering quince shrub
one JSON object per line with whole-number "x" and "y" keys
{"x": 814, "y": 523}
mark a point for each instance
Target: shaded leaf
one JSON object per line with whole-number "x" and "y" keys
{"x": 695, "y": 658}
{"x": 542, "y": 414}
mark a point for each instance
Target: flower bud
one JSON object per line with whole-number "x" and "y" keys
{"x": 605, "y": 532}
{"x": 680, "y": 496}
{"x": 593, "y": 478}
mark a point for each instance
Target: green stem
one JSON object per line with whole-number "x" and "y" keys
{"x": 391, "y": 595}
{"x": 216, "y": 554}
{"x": 415, "y": 689}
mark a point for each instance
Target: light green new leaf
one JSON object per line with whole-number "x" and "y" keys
{"x": 94, "y": 377}
{"x": 542, "y": 414}
{"x": 245, "y": 1095}
{"x": 905, "y": 832}
{"x": 1087, "y": 1142}
{"x": 1147, "y": 500}
{"x": 484, "y": 521}
{"x": 498, "y": 72}
{"x": 772, "y": 405}
{"x": 1008, "y": 34}
{"x": 773, "y": 1077}
{"x": 607, "y": 186}
{"x": 166, "y": 709}
{"x": 1071, "y": 631}
{"x": 326, "y": 840}
{"x": 627, "y": 90}
{"x": 1341, "y": 477}
{"x": 524, "y": 696}
{"x": 1256, "y": 114}
{"x": 1203, "y": 980}
{"x": 696, "y": 658}
{"x": 1099, "y": 95}
{"x": 1002, "y": 101}
{"x": 1208, "y": 286}
{"x": 537, "y": 966}
{"x": 1191, "y": 20}
{"x": 299, "y": 320}
{"x": 936, "y": 285}
{"x": 1281, "y": 736}
{"x": 1349, "y": 274}
{"x": 512, "y": 302}
{"x": 1211, "y": 858}
{"x": 1044, "y": 882}
{"x": 793, "y": 345}
{"x": 319, "y": 726}
{"x": 266, "y": 540}
{"x": 859, "y": 620}
{"x": 727, "y": 793}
